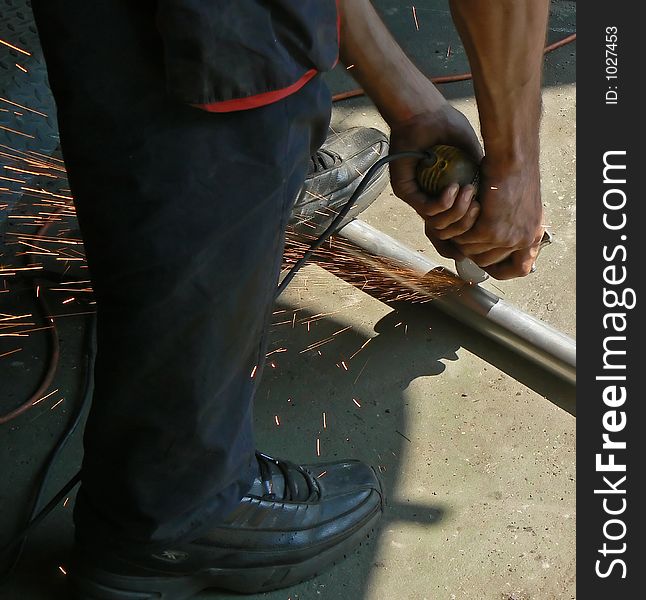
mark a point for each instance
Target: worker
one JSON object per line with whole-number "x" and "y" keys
{"x": 187, "y": 128}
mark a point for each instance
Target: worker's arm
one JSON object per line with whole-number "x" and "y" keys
{"x": 418, "y": 115}
{"x": 504, "y": 40}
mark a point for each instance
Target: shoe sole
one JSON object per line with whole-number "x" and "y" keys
{"x": 96, "y": 584}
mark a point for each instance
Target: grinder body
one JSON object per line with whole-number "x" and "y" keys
{"x": 446, "y": 165}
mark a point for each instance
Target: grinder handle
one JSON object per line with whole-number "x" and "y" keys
{"x": 446, "y": 165}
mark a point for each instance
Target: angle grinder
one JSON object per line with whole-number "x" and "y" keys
{"x": 443, "y": 166}
{"x": 437, "y": 168}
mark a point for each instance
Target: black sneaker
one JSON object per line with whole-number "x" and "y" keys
{"x": 294, "y": 522}
{"x": 334, "y": 173}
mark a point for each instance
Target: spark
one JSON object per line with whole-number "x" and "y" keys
{"x": 5, "y": 317}
{"x": 58, "y": 160}
{"x": 10, "y": 352}
{"x": 76, "y": 314}
{"x": 43, "y": 250}
{"x": 349, "y": 67}
{"x": 41, "y": 191}
{"x": 43, "y": 239}
{"x": 277, "y": 420}
{"x": 344, "y": 365}
{"x": 253, "y": 372}
{"x": 17, "y": 132}
{"x": 415, "y": 17}
{"x": 448, "y": 51}
{"x": 342, "y": 330}
{"x": 55, "y": 405}
{"x": 317, "y": 344}
{"x": 319, "y": 196}
{"x": 318, "y": 447}
{"x": 68, "y": 300}
{"x": 29, "y": 172}
{"x": 11, "y": 271}
{"x": 22, "y": 217}
{"x": 360, "y": 372}
{"x": 272, "y": 352}
{"x": 324, "y": 421}
{"x": 360, "y": 175}
{"x": 45, "y": 397}
{"x": 493, "y": 187}
{"x": 21, "y": 68}
{"x": 321, "y": 474}
{"x": 5, "y": 43}
{"x": 11, "y": 325}
{"x": 66, "y": 501}
{"x": 360, "y": 349}
{"x": 25, "y": 331}
{"x": 356, "y": 402}
{"x": 62, "y": 570}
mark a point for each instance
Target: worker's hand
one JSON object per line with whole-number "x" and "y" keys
{"x": 505, "y": 238}
{"x": 455, "y": 210}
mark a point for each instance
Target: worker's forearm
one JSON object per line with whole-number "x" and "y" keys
{"x": 398, "y": 89}
{"x": 504, "y": 40}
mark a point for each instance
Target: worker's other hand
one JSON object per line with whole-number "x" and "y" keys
{"x": 505, "y": 238}
{"x": 455, "y": 210}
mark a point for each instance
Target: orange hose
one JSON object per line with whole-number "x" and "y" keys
{"x": 451, "y": 78}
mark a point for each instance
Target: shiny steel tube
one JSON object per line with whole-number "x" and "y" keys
{"x": 479, "y": 308}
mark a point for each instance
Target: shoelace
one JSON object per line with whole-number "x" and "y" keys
{"x": 286, "y": 468}
{"x": 322, "y": 160}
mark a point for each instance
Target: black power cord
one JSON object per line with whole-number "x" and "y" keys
{"x": 36, "y": 516}
{"x": 334, "y": 225}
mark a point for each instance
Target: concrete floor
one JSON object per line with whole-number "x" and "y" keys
{"x": 477, "y": 458}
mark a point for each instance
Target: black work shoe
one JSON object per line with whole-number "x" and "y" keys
{"x": 294, "y": 522}
{"x": 334, "y": 173}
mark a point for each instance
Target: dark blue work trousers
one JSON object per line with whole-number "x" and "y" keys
{"x": 182, "y": 214}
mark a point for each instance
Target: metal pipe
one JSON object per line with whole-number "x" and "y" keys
{"x": 479, "y": 308}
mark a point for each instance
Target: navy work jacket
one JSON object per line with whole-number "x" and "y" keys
{"x": 226, "y": 55}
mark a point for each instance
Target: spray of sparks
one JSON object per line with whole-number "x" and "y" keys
{"x": 415, "y": 18}
{"x": 41, "y": 238}
{"x": 382, "y": 278}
